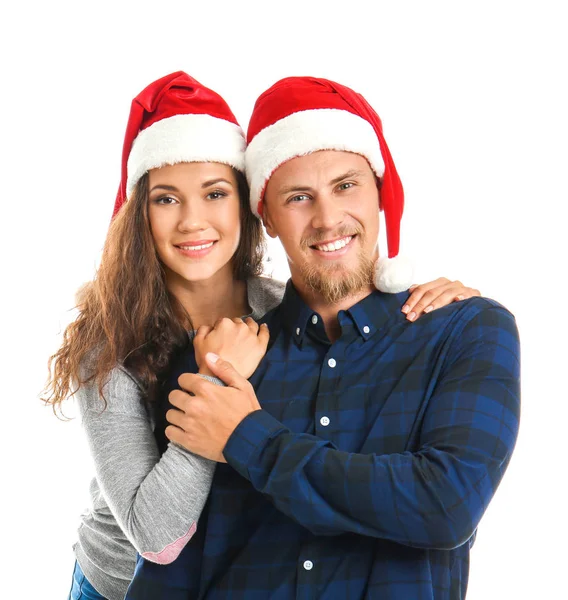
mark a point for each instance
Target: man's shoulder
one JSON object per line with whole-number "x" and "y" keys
{"x": 450, "y": 320}
{"x": 464, "y": 308}
{"x": 475, "y": 320}
{"x": 475, "y": 306}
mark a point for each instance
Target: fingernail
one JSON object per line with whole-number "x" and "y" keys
{"x": 428, "y": 309}
{"x": 213, "y": 358}
{"x": 411, "y": 316}
{"x": 405, "y": 309}
{"x": 460, "y": 297}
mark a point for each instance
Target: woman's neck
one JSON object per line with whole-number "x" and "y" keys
{"x": 211, "y": 299}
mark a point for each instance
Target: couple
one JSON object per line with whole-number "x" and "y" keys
{"x": 359, "y": 457}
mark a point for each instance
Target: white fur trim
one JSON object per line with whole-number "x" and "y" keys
{"x": 305, "y": 132}
{"x": 393, "y": 275}
{"x": 185, "y": 138}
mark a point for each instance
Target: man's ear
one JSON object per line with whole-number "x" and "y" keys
{"x": 267, "y": 221}
{"x": 379, "y": 185}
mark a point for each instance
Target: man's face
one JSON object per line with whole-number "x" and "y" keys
{"x": 324, "y": 207}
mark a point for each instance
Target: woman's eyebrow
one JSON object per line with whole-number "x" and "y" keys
{"x": 163, "y": 186}
{"x": 211, "y": 182}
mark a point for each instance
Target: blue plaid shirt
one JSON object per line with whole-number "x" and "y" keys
{"x": 368, "y": 468}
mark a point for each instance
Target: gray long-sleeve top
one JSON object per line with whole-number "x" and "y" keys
{"x": 141, "y": 502}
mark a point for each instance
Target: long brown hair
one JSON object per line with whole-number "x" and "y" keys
{"x": 126, "y": 314}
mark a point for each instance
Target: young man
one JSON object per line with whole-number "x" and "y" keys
{"x": 364, "y": 451}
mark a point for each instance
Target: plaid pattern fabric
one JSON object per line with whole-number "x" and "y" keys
{"x": 370, "y": 466}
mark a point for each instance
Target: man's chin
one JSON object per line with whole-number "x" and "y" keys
{"x": 333, "y": 269}
{"x": 337, "y": 283}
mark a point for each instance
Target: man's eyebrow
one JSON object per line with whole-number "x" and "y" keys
{"x": 294, "y": 188}
{"x": 349, "y": 174}
{"x": 306, "y": 188}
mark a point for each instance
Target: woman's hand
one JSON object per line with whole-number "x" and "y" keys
{"x": 242, "y": 343}
{"x": 429, "y": 296}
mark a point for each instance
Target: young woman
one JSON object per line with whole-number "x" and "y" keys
{"x": 183, "y": 252}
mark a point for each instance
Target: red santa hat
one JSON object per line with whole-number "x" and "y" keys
{"x": 301, "y": 115}
{"x": 176, "y": 119}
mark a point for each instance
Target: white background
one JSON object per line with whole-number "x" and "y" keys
{"x": 473, "y": 100}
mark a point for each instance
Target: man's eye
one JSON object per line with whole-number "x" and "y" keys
{"x": 346, "y": 185}
{"x": 299, "y": 198}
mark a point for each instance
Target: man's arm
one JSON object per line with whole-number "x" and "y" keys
{"x": 432, "y": 498}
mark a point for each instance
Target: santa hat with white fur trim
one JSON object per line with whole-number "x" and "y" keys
{"x": 301, "y": 115}
{"x": 176, "y": 119}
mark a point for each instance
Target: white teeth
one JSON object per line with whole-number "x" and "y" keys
{"x": 337, "y": 245}
{"x": 197, "y": 247}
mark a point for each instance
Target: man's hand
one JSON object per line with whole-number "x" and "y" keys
{"x": 204, "y": 421}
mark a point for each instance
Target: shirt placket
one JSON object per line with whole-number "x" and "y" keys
{"x": 330, "y": 377}
{"x": 309, "y": 569}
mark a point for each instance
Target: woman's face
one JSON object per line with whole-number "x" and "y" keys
{"x": 194, "y": 213}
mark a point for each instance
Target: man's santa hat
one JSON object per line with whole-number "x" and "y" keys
{"x": 301, "y": 115}
{"x": 176, "y": 119}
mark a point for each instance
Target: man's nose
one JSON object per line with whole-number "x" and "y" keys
{"x": 328, "y": 214}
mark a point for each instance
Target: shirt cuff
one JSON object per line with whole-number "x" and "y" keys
{"x": 249, "y": 438}
{"x": 212, "y": 379}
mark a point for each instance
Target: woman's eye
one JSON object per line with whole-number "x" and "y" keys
{"x": 216, "y": 195}
{"x": 165, "y": 200}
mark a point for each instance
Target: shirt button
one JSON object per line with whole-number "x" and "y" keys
{"x": 297, "y": 331}
{"x": 314, "y": 321}
{"x": 331, "y": 362}
{"x": 366, "y": 329}
{"x": 308, "y": 565}
{"x": 324, "y": 421}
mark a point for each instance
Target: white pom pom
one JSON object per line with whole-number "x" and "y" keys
{"x": 393, "y": 275}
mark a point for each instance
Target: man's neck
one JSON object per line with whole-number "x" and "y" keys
{"x": 210, "y": 300}
{"x": 328, "y": 312}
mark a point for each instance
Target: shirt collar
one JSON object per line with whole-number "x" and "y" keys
{"x": 373, "y": 312}
{"x": 296, "y": 314}
{"x": 368, "y": 315}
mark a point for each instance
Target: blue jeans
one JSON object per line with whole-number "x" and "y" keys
{"x": 81, "y": 589}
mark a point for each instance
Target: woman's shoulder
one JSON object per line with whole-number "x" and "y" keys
{"x": 264, "y": 294}
{"x": 121, "y": 392}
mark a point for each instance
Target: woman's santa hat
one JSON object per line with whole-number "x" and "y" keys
{"x": 176, "y": 119}
{"x": 301, "y": 115}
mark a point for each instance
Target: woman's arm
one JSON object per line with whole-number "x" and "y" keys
{"x": 156, "y": 501}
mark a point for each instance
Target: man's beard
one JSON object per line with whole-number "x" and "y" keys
{"x": 335, "y": 282}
